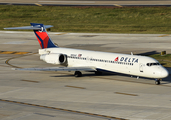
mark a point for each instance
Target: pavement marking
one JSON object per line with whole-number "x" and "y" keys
{"x": 38, "y": 4}
{"x": 21, "y": 53}
{"x": 75, "y": 87}
{"x": 61, "y": 109}
{"x": 117, "y": 5}
{"x": 30, "y": 81}
{"x": 126, "y": 94}
{"x": 88, "y": 35}
{"x": 164, "y": 35}
{"x": 45, "y": 114}
{"x": 7, "y": 61}
{"x": 70, "y": 1}
{"x": 13, "y": 52}
{"x": 61, "y": 34}
{"x": 6, "y": 52}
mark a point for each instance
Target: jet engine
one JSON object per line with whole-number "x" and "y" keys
{"x": 54, "y": 58}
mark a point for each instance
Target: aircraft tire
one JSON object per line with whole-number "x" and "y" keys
{"x": 157, "y": 82}
{"x": 77, "y": 74}
{"x": 98, "y": 73}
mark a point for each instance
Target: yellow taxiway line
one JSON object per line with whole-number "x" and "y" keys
{"x": 13, "y": 52}
{"x": 164, "y": 35}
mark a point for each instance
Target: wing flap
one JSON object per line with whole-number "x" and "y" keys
{"x": 58, "y": 69}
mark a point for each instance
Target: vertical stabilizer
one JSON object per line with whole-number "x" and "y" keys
{"x": 42, "y": 36}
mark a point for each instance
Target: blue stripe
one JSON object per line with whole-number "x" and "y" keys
{"x": 51, "y": 44}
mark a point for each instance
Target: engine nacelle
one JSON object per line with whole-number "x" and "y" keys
{"x": 54, "y": 58}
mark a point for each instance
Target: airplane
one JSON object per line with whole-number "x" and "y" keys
{"x": 92, "y": 61}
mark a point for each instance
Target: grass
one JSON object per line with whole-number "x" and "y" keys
{"x": 150, "y": 20}
{"x": 164, "y": 60}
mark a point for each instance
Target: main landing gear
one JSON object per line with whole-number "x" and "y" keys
{"x": 157, "y": 81}
{"x": 77, "y": 74}
{"x": 98, "y": 73}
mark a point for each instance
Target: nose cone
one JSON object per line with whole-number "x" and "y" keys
{"x": 164, "y": 73}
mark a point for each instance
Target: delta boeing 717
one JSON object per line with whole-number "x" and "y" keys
{"x": 93, "y": 61}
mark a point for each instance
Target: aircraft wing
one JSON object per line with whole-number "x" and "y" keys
{"x": 58, "y": 69}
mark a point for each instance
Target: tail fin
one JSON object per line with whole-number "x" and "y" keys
{"x": 41, "y": 34}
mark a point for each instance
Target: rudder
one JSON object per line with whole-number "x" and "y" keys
{"x": 42, "y": 36}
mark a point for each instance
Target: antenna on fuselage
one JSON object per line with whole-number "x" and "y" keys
{"x": 132, "y": 53}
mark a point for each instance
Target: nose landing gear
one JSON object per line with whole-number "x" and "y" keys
{"x": 157, "y": 81}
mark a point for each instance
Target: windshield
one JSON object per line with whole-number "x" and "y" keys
{"x": 152, "y": 64}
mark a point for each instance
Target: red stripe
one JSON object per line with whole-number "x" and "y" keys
{"x": 39, "y": 42}
{"x": 44, "y": 36}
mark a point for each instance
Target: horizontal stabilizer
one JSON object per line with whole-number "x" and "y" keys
{"x": 28, "y": 27}
{"x": 58, "y": 69}
{"x": 40, "y": 32}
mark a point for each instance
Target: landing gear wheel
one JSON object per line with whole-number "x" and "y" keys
{"x": 77, "y": 74}
{"x": 98, "y": 73}
{"x": 157, "y": 82}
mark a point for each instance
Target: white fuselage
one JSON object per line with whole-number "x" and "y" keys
{"x": 111, "y": 62}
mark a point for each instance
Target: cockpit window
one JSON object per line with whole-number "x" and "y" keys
{"x": 152, "y": 64}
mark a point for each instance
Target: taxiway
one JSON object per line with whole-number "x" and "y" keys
{"x": 110, "y": 95}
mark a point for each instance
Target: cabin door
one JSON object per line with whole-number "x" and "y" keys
{"x": 141, "y": 67}
{"x": 88, "y": 60}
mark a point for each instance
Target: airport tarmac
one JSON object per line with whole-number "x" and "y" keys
{"x": 28, "y": 95}
{"x": 90, "y": 2}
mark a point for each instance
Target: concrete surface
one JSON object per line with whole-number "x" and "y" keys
{"x": 111, "y": 94}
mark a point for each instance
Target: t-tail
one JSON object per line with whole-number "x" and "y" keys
{"x": 41, "y": 34}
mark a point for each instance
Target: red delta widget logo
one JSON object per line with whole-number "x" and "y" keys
{"x": 116, "y": 59}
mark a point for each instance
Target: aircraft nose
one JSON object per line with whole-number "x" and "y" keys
{"x": 164, "y": 73}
